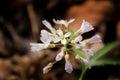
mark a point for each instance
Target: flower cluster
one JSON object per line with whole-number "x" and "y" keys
{"x": 68, "y": 41}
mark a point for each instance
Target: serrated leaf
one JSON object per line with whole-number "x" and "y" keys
{"x": 105, "y": 50}
{"x": 106, "y": 61}
{"x": 80, "y": 53}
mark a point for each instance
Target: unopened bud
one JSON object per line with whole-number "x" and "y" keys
{"x": 47, "y": 68}
{"x": 77, "y": 33}
{"x": 50, "y": 65}
{"x": 77, "y": 57}
{"x": 72, "y": 41}
{"x": 86, "y": 41}
{"x": 53, "y": 31}
{"x": 64, "y": 48}
{"x": 51, "y": 45}
{"x": 67, "y": 57}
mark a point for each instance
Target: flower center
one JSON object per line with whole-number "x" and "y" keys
{"x": 62, "y": 37}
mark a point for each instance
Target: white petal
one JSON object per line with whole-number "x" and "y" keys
{"x": 36, "y": 46}
{"x": 95, "y": 38}
{"x": 67, "y": 23}
{"x": 45, "y": 32}
{"x": 78, "y": 39}
{"x": 56, "y": 40}
{"x": 68, "y": 67}
{"x": 59, "y": 56}
{"x": 43, "y": 39}
{"x": 46, "y": 37}
{"x": 46, "y": 44}
{"x": 60, "y": 32}
{"x": 59, "y": 21}
{"x": 81, "y": 44}
{"x": 63, "y": 41}
{"x": 70, "y": 21}
{"x": 47, "y": 24}
{"x": 63, "y": 22}
{"x": 85, "y": 27}
{"x": 67, "y": 34}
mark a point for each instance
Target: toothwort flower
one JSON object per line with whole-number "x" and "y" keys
{"x": 46, "y": 37}
{"x": 85, "y": 27}
{"x": 68, "y": 42}
{"x": 78, "y": 42}
{"x": 61, "y": 37}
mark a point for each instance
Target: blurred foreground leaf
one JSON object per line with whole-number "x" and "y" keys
{"x": 104, "y": 50}
{"x": 106, "y": 61}
{"x": 96, "y": 60}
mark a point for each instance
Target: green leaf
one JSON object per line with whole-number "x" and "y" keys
{"x": 105, "y": 50}
{"x": 106, "y": 61}
{"x": 80, "y": 53}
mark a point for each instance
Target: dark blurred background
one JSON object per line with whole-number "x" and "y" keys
{"x": 20, "y": 24}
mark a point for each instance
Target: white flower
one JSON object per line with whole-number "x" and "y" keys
{"x": 68, "y": 66}
{"x": 47, "y": 68}
{"x": 63, "y": 22}
{"x": 78, "y": 39}
{"x": 62, "y": 37}
{"x": 78, "y": 43}
{"x": 60, "y": 55}
{"x": 85, "y": 27}
{"x": 37, "y": 47}
{"x": 95, "y": 38}
{"x": 46, "y": 37}
{"x": 65, "y": 40}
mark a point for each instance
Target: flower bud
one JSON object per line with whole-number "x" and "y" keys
{"x": 51, "y": 45}
{"x": 64, "y": 48}
{"x": 59, "y": 56}
{"x": 77, "y": 57}
{"x": 85, "y": 41}
{"x": 72, "y": 41}
{"x": 68, "y": 65}
{"x": 47, "y": 68}
{"x": 67, "y": 57}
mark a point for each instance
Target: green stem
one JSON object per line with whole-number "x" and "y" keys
{"x": 82, "y": 74}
